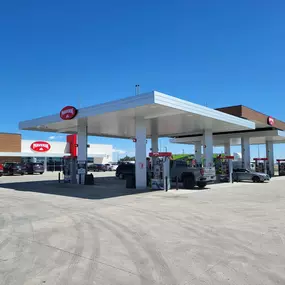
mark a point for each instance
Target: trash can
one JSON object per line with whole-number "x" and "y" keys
{"x": 89, "y": 179}
{"x": 130, "y": 181}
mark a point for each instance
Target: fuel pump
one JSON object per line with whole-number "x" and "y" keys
{"x": 225, "y": 168}
{"x": 281, "y": 167}
{"x": 160, "y": 169}
{"x": 261, "y": 165}
{"x": 70, "y": 169}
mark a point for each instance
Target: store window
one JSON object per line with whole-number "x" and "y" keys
{"x": 54, "y": 163}
{"x": 90, "y": 159}
{"x": 33, "y": 159}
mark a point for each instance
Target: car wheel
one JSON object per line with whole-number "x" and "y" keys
{"x": 189, "y": 182}
{"x": 255, "y": 179}
{"x": 201, "y": 185}
{"x": 22, "y": 173}
{"x": 41, "y": 172}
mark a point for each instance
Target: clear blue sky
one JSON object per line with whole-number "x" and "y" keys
{"x": 54, "y": 53}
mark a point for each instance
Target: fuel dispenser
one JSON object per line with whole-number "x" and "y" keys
{"x": 160, "y": 170}
{"x": 261, "y": 165}
{"x": 281, "y": 167}
{"x": 69, "y": 169}
{"x": 224, "y": 167}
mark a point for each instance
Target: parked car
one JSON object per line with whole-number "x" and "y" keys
{"x": 125, "y": 168}
{"x": 111, "y": 166}
{"x": 108, "y": 166}
{"x": 11, "y": 168}
{"x": 114, "y": 166}
{"x": 242, "y": 174}
{"x": 34, "y": 167}
{"x": 97, "y": 167}
{"x": 1, "y": 169}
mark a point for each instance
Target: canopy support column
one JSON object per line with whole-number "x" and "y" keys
{"x": 270, "y": 157}
{"x": 245, "y": 150}
{"x": 208, "y": 148}
{"x": 82, "y": 146}
{"x": 154, "y": 139}
{"x": 198, "y": 153}
{"x": 227, "y": 148}
{"x": 141, "y": 182}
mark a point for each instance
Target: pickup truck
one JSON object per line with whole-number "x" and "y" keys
{"x": 191, "y": 176}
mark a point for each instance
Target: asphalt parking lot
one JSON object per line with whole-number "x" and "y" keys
{"x": 105, "y": 234}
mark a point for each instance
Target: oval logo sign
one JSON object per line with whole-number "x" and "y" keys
{"x": 270, "y": 121}
{"x": 40, "y": 146}
{"x": 68, "y": 113}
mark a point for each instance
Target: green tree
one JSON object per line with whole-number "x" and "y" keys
{"x": 128, "y": 158}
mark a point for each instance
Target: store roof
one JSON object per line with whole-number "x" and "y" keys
{"x": 260, "y": 119}
{"x": 174, "y": 117}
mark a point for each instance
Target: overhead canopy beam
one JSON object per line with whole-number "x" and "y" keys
{"x": 117, "y": 118}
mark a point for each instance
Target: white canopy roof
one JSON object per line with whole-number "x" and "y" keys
{"x": 255, "y": 137}
{"x": 117, "y": 118}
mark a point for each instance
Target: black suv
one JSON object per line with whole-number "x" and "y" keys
{"x": 34, "y": 167}
{"x": 125, "y": 168}
{"x": 11, "y": 168}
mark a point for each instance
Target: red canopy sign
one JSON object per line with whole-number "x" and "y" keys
{"x": 68, "y": 113}
{"x": 160, "y": 154}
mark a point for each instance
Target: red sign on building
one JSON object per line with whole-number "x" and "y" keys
{"x": 40, "y": 146}
{"x": 270, "y": 121}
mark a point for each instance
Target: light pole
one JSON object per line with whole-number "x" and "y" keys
{"x": 165, "y": 148}
{"x": 183, "y": 151}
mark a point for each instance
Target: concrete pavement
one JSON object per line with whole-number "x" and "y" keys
{"x": 228, "y": 234}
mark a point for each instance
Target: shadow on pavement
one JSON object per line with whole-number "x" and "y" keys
{"x": 104, "y": 188}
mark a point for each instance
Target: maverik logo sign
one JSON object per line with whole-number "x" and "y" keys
{"x": 68, "y": 113}
{"x": 270, "y": 121}
{"x": 40, "y": 146}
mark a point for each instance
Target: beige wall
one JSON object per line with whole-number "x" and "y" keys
{"x": 10, "y": 142}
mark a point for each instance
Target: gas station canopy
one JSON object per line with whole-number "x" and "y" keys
{"x": 267, "y": 129}
{"x": 255, "y": 138}
{"x": 174, "y": 117}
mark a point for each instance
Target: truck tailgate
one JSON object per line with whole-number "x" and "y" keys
{"x": 210, "y": 173}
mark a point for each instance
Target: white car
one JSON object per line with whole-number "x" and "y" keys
{"x": 111, "y": 166}
{"x": 114, "y": 166}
